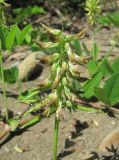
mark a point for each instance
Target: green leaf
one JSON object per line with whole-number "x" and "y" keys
{"x": 106, "y": 68}
{"x": 91, "y": 84}
{"x": 21, "y": 36}
{"x": 35, "y": 120}
{"x": 9, "y": 40}
{"x": 115, "y": 65}
{"x": 111, "y": 89}
{"x": 109, "y": 18}
{"x": 28, "y": 38}
{"x": 10, "y": 75}
{"x": 3, "y": 34}
{"x": 100, "y": 94}
{"x": 88, "y": 109}
{"x": 77, "y": 46}
{"x": 91, "y": 65}
{"x": 104, "y": 20}
{"x": 29, "y": 96}
{"x": 75, "y": 85}
{"x": 22, "y": 13}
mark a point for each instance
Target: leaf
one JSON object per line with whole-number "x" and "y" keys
{"x": 77, "y": 46}
{"x": 9, "y": 40}
{"x": 10, "y": 75}
{"x": 100, "y": 94}
{"x": 91, "y": 65}
{"x": 28, "y": 38}
{"x": 21, "y": 36}
{"x": 3, "y": 34}
{"x": 75, "y": 85}
{"x": 106, "y": 68}
{"x": 91, "y": 84}
{"x": 111, "y": 89}
{"x": 109, "y": 94}
{"x": 29, "y": 96}
{"x": 115, "y": 65}
{"x": 104, "y": 20}
{"x": 22, "y": 13}
{"x": 31, "y": 122}
{"x": 109, "y": 18}
{"x": 88, "y": 109}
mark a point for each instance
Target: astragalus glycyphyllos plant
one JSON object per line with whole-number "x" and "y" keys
{"x": 65, "y": 71}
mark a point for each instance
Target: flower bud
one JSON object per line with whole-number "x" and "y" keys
{"x": 64, "y": 81}
{"x": 81, "y": 59}
{"x": 67, "y": 93}
{"x": 60, "y": 112}
{"x": 80, "y": 34}
{"x": 46, "y": 44}
{"x": 54, "y": 32}
{"x": 69, "y": 51}
{"x": 71, "y": 37}
{"x": 69, "y": 104}
{"x": 64, "y": 66}
{"x": 56, "y": 57}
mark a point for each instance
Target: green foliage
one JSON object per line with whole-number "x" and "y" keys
{"x": 12, "y": 35}
{"x": 21, "y": 35}
{"x": 9, "y": 39}
{"x": 31, "y": 96}
{"x": 91, "y": 65}
{"x": 77, "y": 46}
{"x": 10, "y": 75}
{"x": 23, "y": 13}
{"x": 111, "y": 89}
{"x": 115, "y": 65}
{"x": 109, "y": 94}
{"x": 109, "y": 19}
{"x": 91, "y": 84}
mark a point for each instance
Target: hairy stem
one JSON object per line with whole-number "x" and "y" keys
{"x": 56, "y": 129}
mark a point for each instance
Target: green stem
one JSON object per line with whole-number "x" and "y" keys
{"x": 3, "y": 87}
{"x": 56, "y": 129}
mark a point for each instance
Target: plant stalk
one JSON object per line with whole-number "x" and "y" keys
{"x": 55, "y": 143}
{"x": 3, "y": 87}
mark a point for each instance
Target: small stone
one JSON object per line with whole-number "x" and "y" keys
{"x": 95, "y": 122}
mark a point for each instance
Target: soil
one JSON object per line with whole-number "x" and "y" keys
{"x": 80, "y": 133}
